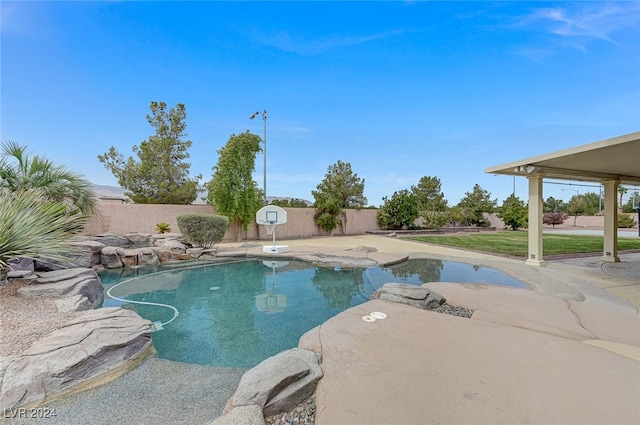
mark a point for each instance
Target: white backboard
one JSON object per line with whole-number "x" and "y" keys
{"x": 271, "y": 214}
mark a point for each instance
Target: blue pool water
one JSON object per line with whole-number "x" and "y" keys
{"x": 237, "y": 314}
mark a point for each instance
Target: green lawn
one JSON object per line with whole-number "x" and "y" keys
{"x": 515, "y": 243}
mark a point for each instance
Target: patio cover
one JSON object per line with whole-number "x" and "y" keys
{"x": 611, "y": 162}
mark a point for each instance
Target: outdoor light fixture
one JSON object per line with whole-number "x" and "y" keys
{"x": 264, "y": 118}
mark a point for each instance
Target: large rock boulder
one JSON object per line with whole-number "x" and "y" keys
{"x": 279, "y": 383}
{"x": 66, "y": 283}
{"x": 147, "y": 257}
{"x": 405, "y": 293}
{"x": 112, "y": 257}
{"x": 139, "y": 239}
{"x": 88, "y": 253}
{"x": 174, "y": 246}
{"x": 130, "y": 257}
{"x": 112, "y": 240}
{"x": 92, "y": 348}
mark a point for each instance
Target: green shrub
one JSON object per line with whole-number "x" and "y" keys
{"x": 626, "y": 221}
{"x": 163, "y": 227}
{"x": 383, "y": 220}
{"x": 401, "y": 210}
{"x": 203, "y": 229}
{"x": 434, "y": 219}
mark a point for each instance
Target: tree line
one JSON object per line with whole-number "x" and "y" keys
{"x": 160, "y": 174}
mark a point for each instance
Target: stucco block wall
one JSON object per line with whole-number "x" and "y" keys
{"x": 121, "y": 219}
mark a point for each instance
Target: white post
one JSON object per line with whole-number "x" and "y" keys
{"x": 534, "y": 257}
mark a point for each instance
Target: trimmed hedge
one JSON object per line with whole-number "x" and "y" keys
{"x": 203, "y": 229}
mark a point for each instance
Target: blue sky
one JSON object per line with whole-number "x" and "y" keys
{"x": 400, "y": 90}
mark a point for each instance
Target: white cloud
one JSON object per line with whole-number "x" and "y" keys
{"x": 585, "y": 22}
{"x": 288, "y": 42}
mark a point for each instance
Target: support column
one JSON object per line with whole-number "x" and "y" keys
{"x": 534, "y": 258}
{"x": 610, "y": 251}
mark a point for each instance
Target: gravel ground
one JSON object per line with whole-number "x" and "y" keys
{"x": 303, "y": 414}
{"x": 25, "y": 320}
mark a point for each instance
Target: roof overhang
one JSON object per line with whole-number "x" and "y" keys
{"x": 611, "y": 159}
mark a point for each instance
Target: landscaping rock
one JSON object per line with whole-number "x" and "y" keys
{"x": 112, "y": 240}
{"x": 164, "y": 255}
{"x": 148, "y": 257}
{"x": 195, "y": 252}
{"x": 73, "y": 303}
{"x": 90, "y": 348}
{"x": 67, "y": 282}
{"x": 404, "y": 293}
{"x": 174, "y": 246}
{"x": 208, "y": 254}
{"x": 21, "y": 274}
{"x": 88, "y": 253}
{"x": 279, "y": 383}
{"x": 130, "y": 257}
{"x": 112, "y": 257}
{"x": 139, "y": 238}
{"x": 17, "y": 264}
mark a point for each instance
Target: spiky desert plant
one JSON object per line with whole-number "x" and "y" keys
{"x": 21, "y": 171}
{"x": 36, "y": 228}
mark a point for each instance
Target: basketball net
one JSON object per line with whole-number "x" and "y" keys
{"x": 270, "y": 228}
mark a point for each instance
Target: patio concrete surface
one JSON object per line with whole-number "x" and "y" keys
{"x": 566, "y": 352}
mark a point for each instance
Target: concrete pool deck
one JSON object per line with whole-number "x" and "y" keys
{"x": 568, "y": 352}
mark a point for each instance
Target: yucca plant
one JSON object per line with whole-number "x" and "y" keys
{"x": 163, "y": 227}
{"x": 31, "y": 226}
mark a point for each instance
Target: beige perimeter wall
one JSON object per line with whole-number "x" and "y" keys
{"x": 120, "y": 219}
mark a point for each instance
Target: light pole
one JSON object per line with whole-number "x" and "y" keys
{"x": 264, "y": 181}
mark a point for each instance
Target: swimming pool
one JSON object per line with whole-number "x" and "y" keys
{"x": 238, "y": 313}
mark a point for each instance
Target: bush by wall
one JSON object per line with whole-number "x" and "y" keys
{"x": 204, "y": 230}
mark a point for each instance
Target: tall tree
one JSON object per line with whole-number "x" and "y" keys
{"x": 475, "y": 204}
{"x": 232, "y": 190}
{"x": 341, "y": 188}
{"x": 400, "y": 211}
{"x": 593, "y": 203}
{"x": 20, "y": 171}
{"x": 429, "y": 194}
{"x": 621, "y": 191}
{"x": 161, "y": 176}
{"x": 576, "y": 206}
{"x": 514, "y": 212}
{"x": 634, "y": 200}
{"x": 552, "y": 204}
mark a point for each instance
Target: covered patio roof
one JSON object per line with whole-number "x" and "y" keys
{"x": 611, "y": 162}
{"x": 611, "y": 159}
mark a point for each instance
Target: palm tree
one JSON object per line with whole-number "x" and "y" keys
{"x": 621, "y": 191}
{"x": 35, "y": 229}
{"x": 20, "y": 171}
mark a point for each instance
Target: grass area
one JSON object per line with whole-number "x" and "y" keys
{"x": 516, "y": 243}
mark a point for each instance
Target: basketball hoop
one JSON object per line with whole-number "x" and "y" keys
{"x": 271, "y": 216}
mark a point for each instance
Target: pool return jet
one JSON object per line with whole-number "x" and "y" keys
{"x": 271, "y": 216}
